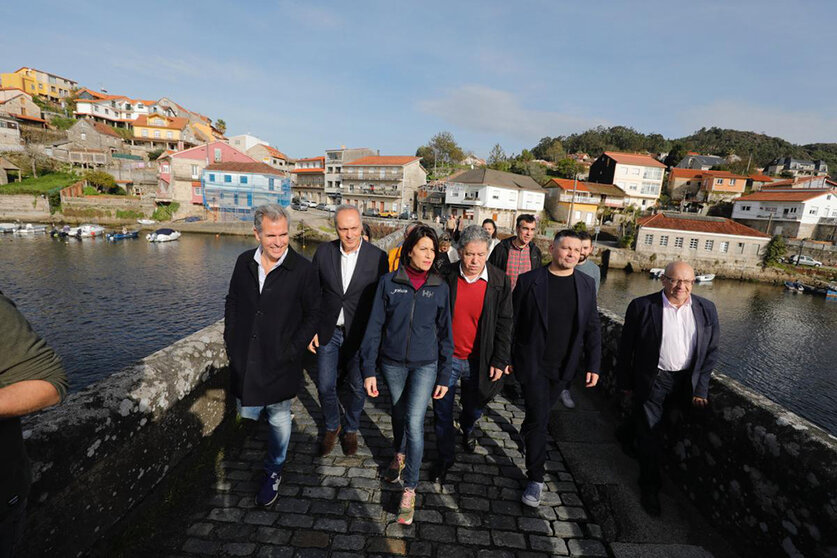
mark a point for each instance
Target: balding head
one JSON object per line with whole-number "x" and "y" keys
{"x": 678, "y": 279}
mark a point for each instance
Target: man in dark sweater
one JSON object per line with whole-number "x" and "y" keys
{"x": 556, "y": 326}
{"x": 31, "y": 378}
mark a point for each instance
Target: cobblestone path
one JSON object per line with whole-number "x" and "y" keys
{"x": 339, "y": 506}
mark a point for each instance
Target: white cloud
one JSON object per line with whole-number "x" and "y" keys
{"x": 477, "y": 108}
{"x": 799, "y": 127}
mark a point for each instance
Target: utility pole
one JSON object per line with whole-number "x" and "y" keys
{"x": 572, "y": 202}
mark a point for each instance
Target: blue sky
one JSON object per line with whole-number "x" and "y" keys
{"x": 309, "y": 76}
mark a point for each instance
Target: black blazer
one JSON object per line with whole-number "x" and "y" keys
{"x": 357, "y": 301}
{"x": 642, "y": 334}
{"x": 494, "y": 330}
{"x": 531, "y": 323}
{"x": 266, "y": 333}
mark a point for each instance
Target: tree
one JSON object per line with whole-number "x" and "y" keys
{"x": 427, "y": 157}
{"x": 774, "y": 251}
{"x": 155, "y": 154}
{"x": 567, "y": 168}
{"x": 220, "y": 125}
{"x": 580, "y": 227}
{"x": 441, "y": 151}
{"x": 675, "y": 155}
{"x": 101, "y": 181}
{"x": 497, "y": 159}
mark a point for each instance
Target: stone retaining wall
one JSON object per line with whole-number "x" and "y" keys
{"x": 24, "y": 207}
{"x": 101, "y": 452}
{"x": 763, "y": 475}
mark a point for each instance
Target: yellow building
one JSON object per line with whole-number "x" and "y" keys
{"x": 158, "y": 126}
{"x": 36, "y": 82}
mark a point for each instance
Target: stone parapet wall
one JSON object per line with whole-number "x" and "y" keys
{"x": 763, "y": 475}
{"x": 24, "y": 206}
{"x": 101, "y": 452}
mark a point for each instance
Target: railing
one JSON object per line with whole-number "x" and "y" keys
{"x": 389, "y": 192}
{"x": 376, "y": 177}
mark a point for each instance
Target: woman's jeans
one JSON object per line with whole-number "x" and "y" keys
{"x": 411, "y": 390}
{"x": 279, "y": 434}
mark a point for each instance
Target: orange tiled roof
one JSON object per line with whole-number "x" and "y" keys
{"x": 309, "y": 171}
{"x": 638, "y": 159}
{"x": 761, "y": 177}
{"x": 676, "y": 172}
{"x": 25, "y": 117}
{"x": 276, "y": 153}
{"x": 256, "y": 167}
{"x": 312, "y": 159}
{"x": 43, "y": 72}
{"x": 568, "y": 184}
{"x": 382, "y": 160}
{"x": 787, "y": 195}
{"x": 105, "y": 129}
{"x": 176, "y": 122}
{"x": 723, "y": 174}
{"x": 717, "y": 225}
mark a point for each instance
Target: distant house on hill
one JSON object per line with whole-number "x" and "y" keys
{"x": 639, "y": 175}
{"x": 790, "y": 212}
{"x": 573, "y": 201}
{"x": 797, "y": 167}
{"x": 701, "y": 162}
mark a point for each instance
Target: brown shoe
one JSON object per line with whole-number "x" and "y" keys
{"x": 349, "y": 443}
{"x": 329, "y": 441}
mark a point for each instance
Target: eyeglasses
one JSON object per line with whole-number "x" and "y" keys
{"x": 678, "y": 282}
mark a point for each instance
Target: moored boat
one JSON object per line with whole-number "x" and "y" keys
{"x": 705, "y": 278}
{"x": 794, "y": 286}
{"x": 163, "y": 235}
{"x": 8, "y": 227}
{"x": 122, "y": 235}
{"x": 656, "y": 272}
{"x": 29, "y": 228}
{"x": 88, "y": 231}
{"x": 146, "y": 221}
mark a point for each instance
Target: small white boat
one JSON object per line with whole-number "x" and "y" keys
{"x": 90, "y": 231}
{"x": 656, "y": 272}
{"x": 146, "y": 221}
{"x": 8, "y": 227}
{"x": 29, "y": 228}
{"x": 705, "y": 278}
{"x": 163, "y": 235}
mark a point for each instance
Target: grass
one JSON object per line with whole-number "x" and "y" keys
{"x": 165, "y": 212}
{"x": 41, "y": 185}
{"x": 129, "y": 214}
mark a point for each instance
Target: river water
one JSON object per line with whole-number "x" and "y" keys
{"x": 105, "y": 305}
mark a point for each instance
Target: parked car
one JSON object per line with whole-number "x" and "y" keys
{"x": 331, "y": 208}
{"x": 371, "y": 212}
{"x": 804, "y": 260}
{"x": 314, "y": 204}
{"x": 299, "y": 206}
{"x": 388, "y": 214}
{"x": 407, "y": 215}
{"x": 321, "y": 206}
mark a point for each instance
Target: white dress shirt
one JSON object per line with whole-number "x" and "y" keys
{"x": 262, "y": 272}
{"x": 348, "y": 263}
{"x": 483, "y": 276}
{"x": 679, "y": 336}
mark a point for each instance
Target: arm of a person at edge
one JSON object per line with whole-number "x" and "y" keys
{"x": 27, "y": 396}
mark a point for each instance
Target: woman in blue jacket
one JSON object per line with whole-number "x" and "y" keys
{"x": 410, "y": 331}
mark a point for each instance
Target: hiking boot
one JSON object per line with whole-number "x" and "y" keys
{"x": 439, "y": 472}
{"x": 532, "y": 495}
{"x": 567, "y": 399}
{"x": 329, "y": 441}
{"x": 349, "y": 443}
{"x": 269, "y": 490}
{"x": 407, "y": 508}
{"x": 393, "y": 472}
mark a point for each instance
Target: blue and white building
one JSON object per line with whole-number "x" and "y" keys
{"x": 231, "y": 191}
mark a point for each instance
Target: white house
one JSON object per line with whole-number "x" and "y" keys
{"x": 245, "y": 142}
{"x": 639, "y": 176}
{"x": 793, "y": 213}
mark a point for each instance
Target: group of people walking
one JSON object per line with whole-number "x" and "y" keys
{"x": 427, "y": 330}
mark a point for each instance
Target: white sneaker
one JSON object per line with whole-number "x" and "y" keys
{"x": 532, "y": 495}
{"x": 567, "y": 399}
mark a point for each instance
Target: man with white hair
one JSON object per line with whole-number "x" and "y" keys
{"x": 269, "y": 318}
{"x": 668, "y": 348}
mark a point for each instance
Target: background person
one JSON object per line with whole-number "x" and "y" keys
{"x": 491, "y": 228}
{"x": 410, "y": 332}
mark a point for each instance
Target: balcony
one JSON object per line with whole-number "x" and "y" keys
{"x": 373, "y": 177}
{"x": 377, "y": 192}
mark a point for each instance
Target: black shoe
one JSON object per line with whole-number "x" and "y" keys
{"x": 469, "y": 443}
{"x": 511, "y": 392}
{"x": 439, "y": 472}
{"x": 650, "y": 501}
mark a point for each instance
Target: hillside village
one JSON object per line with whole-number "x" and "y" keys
{"x": 143, "y": 157}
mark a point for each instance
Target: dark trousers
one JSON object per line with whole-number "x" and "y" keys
{"x": 11, "y": 529}
{"x": 668, "y": 388}
{"x": 443, "y": 409}
{"x": 540, "y": 394}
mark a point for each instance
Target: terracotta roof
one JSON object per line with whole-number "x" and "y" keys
{"x": 177, "y": 122}
{"x": 255, "y": 168}
{"x": 787, "y": 195}
{"x": 592, "y": 187}
{"x": 25, "y": 117}
{"x": 383, "y": 160}
{"x": 276, "y": 153}
{"x": 761, "y": 177}
{"x": 699, "y": 224}
{"x": 104, "y": 129}
{"x": 677, "y": 172}
{"x": 312, "y": 159}
{"x": 491, "y": 177}
{"x": 639, "y": 159}
{"x": 723, "y": 174}
{"x": 567, "y": 184}
{"x": 309, "y": 171}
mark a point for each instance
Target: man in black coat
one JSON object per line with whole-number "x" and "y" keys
{"x": 481, "y": 309}
{"x": 556, "y": 325}
{"x": 348, "y": 270}
{"x": 269, "y": 318}
{"x": 515, "y": 256}
{"x": 669, "y": 347}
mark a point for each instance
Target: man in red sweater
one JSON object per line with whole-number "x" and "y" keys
{"x": 482, "y": 313}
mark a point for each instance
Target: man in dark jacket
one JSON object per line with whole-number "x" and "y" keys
{"x": 481, "y": 307}
{"x": 668, "y": 348}
{"x": 349, "y": 270}
{"x": 515, "y": 256}
{"x": 31, "y": 378}
{"x": 270, "y": 316}
{"x": 556, "y": 324}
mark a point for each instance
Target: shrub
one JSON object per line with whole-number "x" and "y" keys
{"x": 580, "y": 227}
{"x": 129, "y": 214}
{"x": 165, "y": 212}
{"x": 100, "y": 180}
{"x": 774, "y": 251}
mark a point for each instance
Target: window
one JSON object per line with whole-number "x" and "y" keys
{"x": 145, "y": 133}
{"x": 724, "y": 247}
{"x": 812, "y": 211}
{"x": 168, "y": 135}
{"x": 709, "y": 245}
{"x": 635, "y": 171}
{"x": 156, "y": 133}
{"x": 693, "y": 244}
{"x": 745, "y": 208}
{"x": 83, "y": 136}
{"x": 235, "y": 199}
{"x": 732, "y": 182}
{"x": 719, "y": 181}
{"x": 195, "y": 171}
{"x": 649, "y": 239}
{"x": 242, "y": 179}
{"x": 227, "y": 179}
{"x": 270, "y": 184}
{"x": 217, "y": 154}
{"x": 664, "y": 240}
{"x": 212, "y": 178}
{"x": 197, "y": 191}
